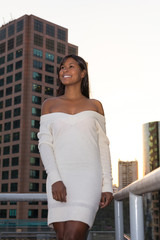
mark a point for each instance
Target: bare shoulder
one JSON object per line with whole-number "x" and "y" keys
{"x": 46, "y": 106}
{"x": 98, "y": 105}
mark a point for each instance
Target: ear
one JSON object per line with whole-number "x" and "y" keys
{"x": 83, "y": 73}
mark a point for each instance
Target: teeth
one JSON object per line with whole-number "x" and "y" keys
{"x": 66, "y": 76}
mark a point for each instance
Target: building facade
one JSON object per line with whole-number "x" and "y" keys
{"x": 151, "y": 161}
{"x": 31, "y": 49}
{"x": 127, "y": 172}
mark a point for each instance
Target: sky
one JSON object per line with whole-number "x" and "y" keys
{"x": 120, "y": 40}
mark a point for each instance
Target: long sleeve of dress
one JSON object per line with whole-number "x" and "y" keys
{"x": 105, "y": 158}
{"x": 46, "y": 151}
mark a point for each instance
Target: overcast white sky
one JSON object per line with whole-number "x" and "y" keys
{"x": 120, "y": 40}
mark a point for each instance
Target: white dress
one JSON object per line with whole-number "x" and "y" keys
{"x": 75, "y": 149}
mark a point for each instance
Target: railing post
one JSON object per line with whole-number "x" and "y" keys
{"x": 136, "y": 217}
{"x": 118, "y": 215}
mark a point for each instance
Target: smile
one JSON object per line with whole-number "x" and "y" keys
{"x": 66, "y": 76}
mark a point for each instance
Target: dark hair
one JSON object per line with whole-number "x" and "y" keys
{"x": 85, "y": 80}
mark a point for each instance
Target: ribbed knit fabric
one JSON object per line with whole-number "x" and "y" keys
{"x": 75, "y": 149}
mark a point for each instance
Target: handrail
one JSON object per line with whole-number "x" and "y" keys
{"x": 23, "y": 197}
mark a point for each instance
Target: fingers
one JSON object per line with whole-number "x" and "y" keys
{"x": 106, "y": 199}
{"x": 59, "y": 191}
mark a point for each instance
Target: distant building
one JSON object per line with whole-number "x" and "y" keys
{"x": 31, "y": 49}
{"x": 127, "y": 172}
{"x": 151, "y": 161}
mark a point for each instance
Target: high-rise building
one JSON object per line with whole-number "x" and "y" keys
{"x": 127, "y": 172}
{"x": 31, "y": 49}
{"x": 151, "y": 161}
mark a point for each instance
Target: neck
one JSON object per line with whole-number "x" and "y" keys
{"x": 72, "y": 93}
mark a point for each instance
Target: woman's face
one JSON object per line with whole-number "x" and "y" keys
{"x": 70, "y": 72}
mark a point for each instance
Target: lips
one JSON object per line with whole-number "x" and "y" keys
{"x": 66, "y": 76}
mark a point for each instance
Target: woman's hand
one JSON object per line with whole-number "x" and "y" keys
{"x": 106, "y": 199}
{"x": 59, "y": 191}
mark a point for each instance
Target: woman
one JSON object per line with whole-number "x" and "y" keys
{"x": 75, "y": 153}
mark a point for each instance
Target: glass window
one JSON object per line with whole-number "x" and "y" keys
{"x": 12, "y": 213}
{"x": 11, "y": 30}
{"x": 2, "y": 34}
{"x": 14, "y": 187}
{"x": 16, "y": 124}
{"x": 15, "y": 148}
{"x": 61, "y": 48}
{"x": 37, "y": 64}
{"x": 14, "y": 174}
{"x": 6, "y": 162}
{"x": 10, "y": 68}
{"x": 49, "y": 68}
{"x": 49, "y": 91}
{"x": 38, "y": 40}
{"x": 72, "y": 50}
{"x": 10, "y": 57}
{"x": 1, "y": 71}
{"x": 62, "y": 34}
{"x": 2, "y": 60}
{"x": 6, "y": 150}
{"x": 4, "y": 187}
{"x": 1, "y": 127}
{"x": 36, "y": 100}
{"x": 35, "y": 124}
{"x": 15, "y": 161}
{"x": 36, "y": 88}
{"x": 43, "y": 187}
{"x": 17, "y": 100}
{"x": 49, "y": 57}
{"x": 19, "y": 53}
{"x": 1, "y": 115}
{"x": 34, "y": 161}
{"x": 50, "y": 44}
{"x": 7, "y": 138}
{"x": 16, "y": 136}
{"x": 34, "y": 136}
{"x": 17, "y": 88}
{"x": 49, "y": 79}
{"x": 33, "y": 213}
{"x": 34, "y": 174}
{"x": 18, "y": 76}
{"x": 37, "y": 53}
{"x": 7, "y": 126}
{"x": 18, "y": 64}
{"x": 1, "y": 82}
{"x": 1, "y": 93}
{"x": 9, "y": 79}
{"x": 17, "y": 112}
{"x": 20, "y": 25}
{"x": 10, "y": 44}
{"x": 2, "y": 48}
{"x": 38, "y": 25}
{"x": 50, "y": 30}
{"x": 8, "y": 91}
{"x": 19, "y": 40}
{"x": 3, "y": 213}
{"x": 5, "y": 175}
{"x": 36, "y": 111}
{"x": 8, "y": 114}
{"x": 37, "y": 76}
{"x": 44, "y": 175}
{"x": 34, "y": 148}
{"x": 34, "y": 187}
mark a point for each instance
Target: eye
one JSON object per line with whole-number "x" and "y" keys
{"x": 71, "y": 66}
{"x": 62, "y": 67}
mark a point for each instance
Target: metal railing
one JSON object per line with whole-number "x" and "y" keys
{"x": 134, "y": 191}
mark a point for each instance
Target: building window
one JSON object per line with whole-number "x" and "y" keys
{"x": 61, "y": 48}
{"x": 49, "y": 79}
{"x": 12, "y": 213}
{"x": 1, "y": 116}
{"x": 49, "y": 68}
{"x": 6, "y": 150}
{"x": 15, "y": 148}
{"x": 10, "y": 44}
{"x": 37, "y": 53}
{"x": 44, "y": 175}
{"x": 62, "y": 34}
{"x": 17, "y": 112}
{"x": 18, "y": 76}
{"x": 36, "y": 88}
{"x": 19, "y": 40}
{"x": 36, "y": 111}
{"x": 19, "y": 53}
{"x": 1, "y": 71}
{"x": 7, "y": 126}
{"x": 9, "y": 79}
{"x": 17, "y": 100}
{"x": 16, "y": 124}
{"x": 37, "y": 76}
{"x": 5, "y": 175}
{"x": 4, "y": 187}
{"x": 14, "y": 174}
{"x": 11, "y": 30}
{"x": 34, "y": 161}
{"x": 10, "y": 68}
{"x": 8, "y": 91}
{"x": 7, "y": 138}
{"x": 1, "y": 93}
{"x": 43, "y": 187}
{"x": 18, "y": 64}
{"x": 37, "y": 64}
{"x": 38, "y": 40}
{"x": 8, "y": 114}
{"x": 16, "y": 136}
{"x": 34, "y": 136}
{"x": 34, "y": 148}
{"x": 6, "y": 162}
{"x": 2, "y": 34}
{"x": 49, "y": 91}
{"x": 0, "y": 127}
{"x": 38, "y": 25}
{"x": 14, "y": 187}
{"x": 49, "y": 57}
{"x": 72, "y": 50}
{"x": 34, "y": 187}
{"x": 2, "y": 48}
{"x": 15, "y": 161}
{"x": 34, "y": 174}
{"x": 3, "y": 213}
{"x": 1, "y": 104}
{"x": 50, "y": 44}
{"x": 1, "y": 82}
{"x": 33, "y": 213}
{"x": 50, "y": 30}
{"x": 20, "y": 25}
{"x": 17, "y": 88}
{"x": 35, "y": 124}
{"x": 36, "y": 100}
{"x": 10, "y": 57}
{"x": 2, "y": 60}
